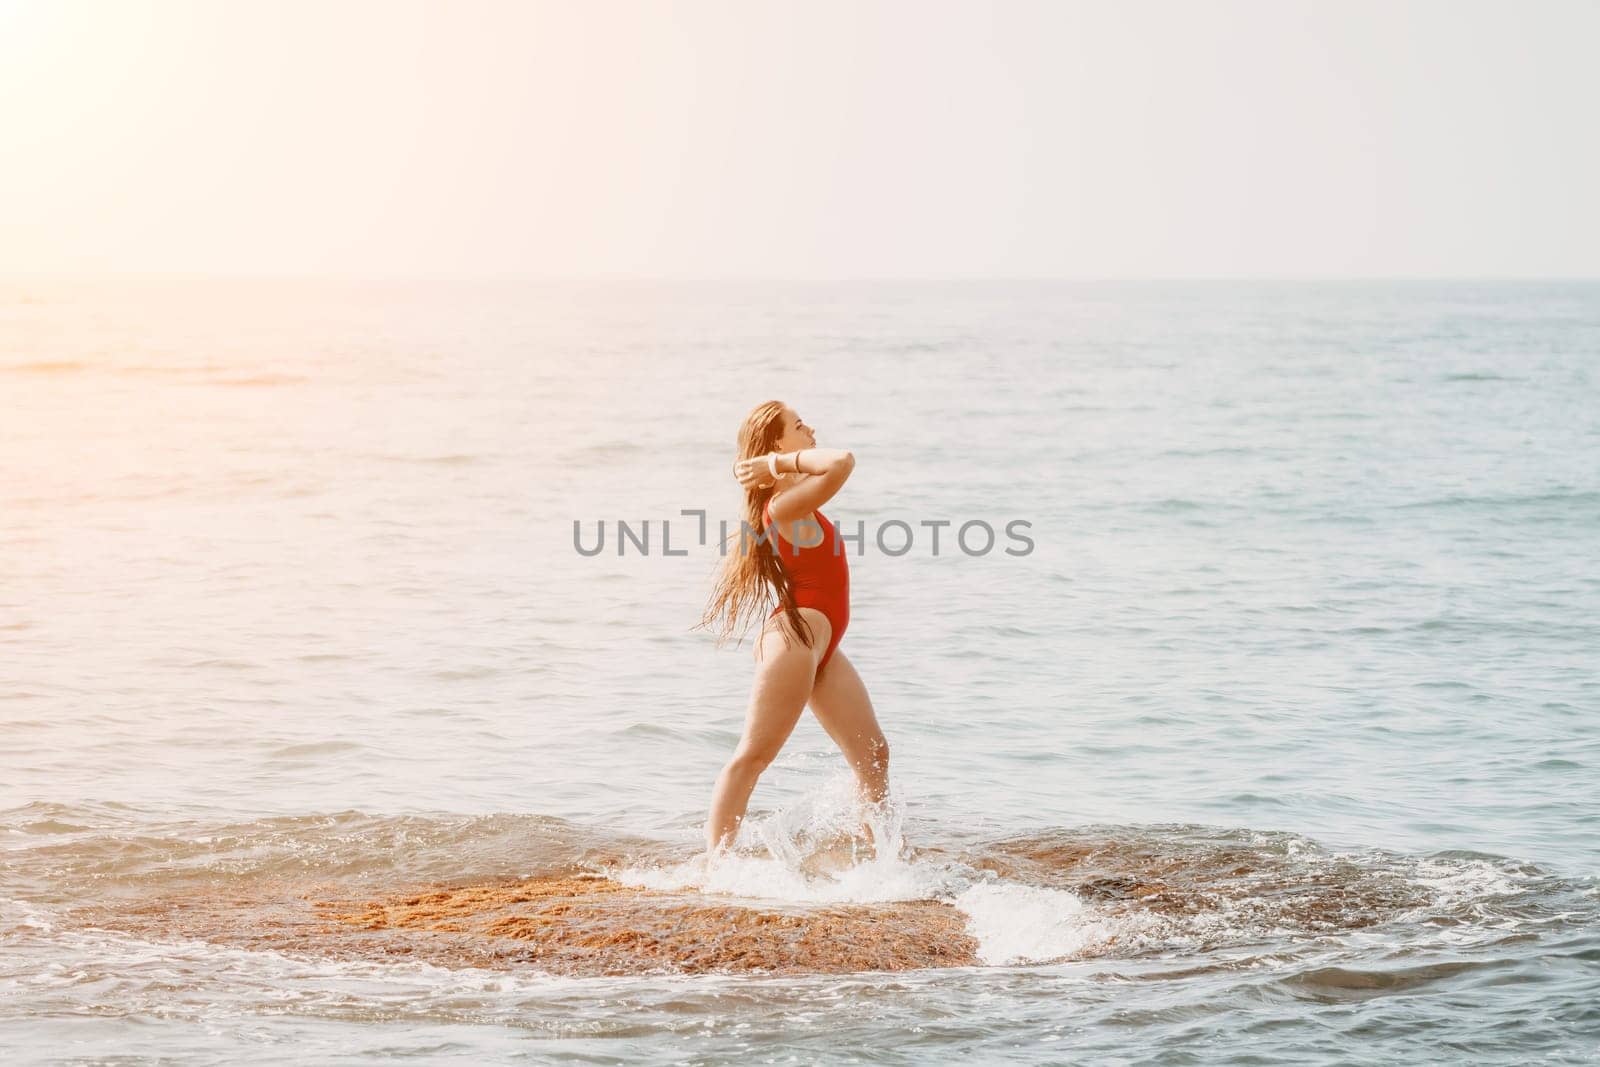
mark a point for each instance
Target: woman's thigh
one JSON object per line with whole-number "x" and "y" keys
{"x": 840, "y": 702}
{"x": 785, "y": 668}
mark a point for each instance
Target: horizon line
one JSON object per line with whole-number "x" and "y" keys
{"x": 589, "y": 279}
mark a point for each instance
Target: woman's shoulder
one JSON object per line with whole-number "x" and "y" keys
{"x": 776, "y": 498}
{"x": 777, "y": 527}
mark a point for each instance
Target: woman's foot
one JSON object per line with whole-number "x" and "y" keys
{"x": 830, "y": 855}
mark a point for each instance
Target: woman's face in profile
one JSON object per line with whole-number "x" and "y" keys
{"x": 796, "y": 434}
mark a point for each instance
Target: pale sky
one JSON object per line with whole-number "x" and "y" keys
{"x": 819, "y": 139}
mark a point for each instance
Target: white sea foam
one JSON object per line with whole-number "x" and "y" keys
{"x": 18, "y": 915}
{"x": 1015, "y": 923}
{"x": 1465, "y": 881}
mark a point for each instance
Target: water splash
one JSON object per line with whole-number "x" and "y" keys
{"x": 1030, "y": 924}
{"x": 815, "y": 852}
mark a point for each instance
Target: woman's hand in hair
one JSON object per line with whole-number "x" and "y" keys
{"x": 753, "y": 473}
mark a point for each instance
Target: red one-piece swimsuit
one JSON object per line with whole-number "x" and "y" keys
{"x": 819, "y": 575}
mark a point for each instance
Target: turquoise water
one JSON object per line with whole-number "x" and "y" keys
{"x": 290, "y": 588}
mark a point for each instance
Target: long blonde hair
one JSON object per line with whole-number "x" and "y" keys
{"x": 753, "y": 573}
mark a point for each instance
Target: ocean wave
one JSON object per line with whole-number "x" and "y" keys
{"x": 1364, "y": 981}
{"x": 58, "y": 366}
{"x": 259, "y": 380}
{"x": 449, "y": 459}
{"x": 1575, "y": 497}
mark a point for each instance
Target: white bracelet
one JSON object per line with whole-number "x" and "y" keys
{"x": 772, "y": 463}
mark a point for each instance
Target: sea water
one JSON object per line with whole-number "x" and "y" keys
{"x": 1279, "y": 740}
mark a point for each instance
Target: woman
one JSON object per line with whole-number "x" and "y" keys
{"x": 795, "y": 556}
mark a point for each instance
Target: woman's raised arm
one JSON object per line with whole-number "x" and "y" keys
{"x": 831, "y": 466}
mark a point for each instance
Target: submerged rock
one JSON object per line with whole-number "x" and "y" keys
{"x": 573, "y": 925}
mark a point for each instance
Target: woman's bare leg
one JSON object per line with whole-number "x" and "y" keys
{"x": 784, "y": 672}
{"x": 840, "y": 702}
